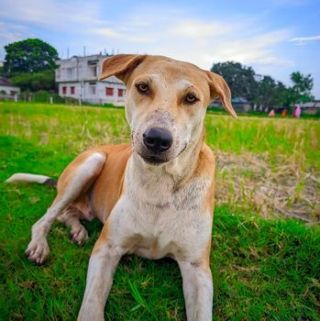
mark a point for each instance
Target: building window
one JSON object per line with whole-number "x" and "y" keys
{"x": 92, "y": 89}
{"x": 72, "y": 90}
{"x": 109, "y": 91}
{"x": 64, "y": 90}
{"x": 70, "y": 73}
{"x": 120, "y": 92}
{"x": 92, "y": 71}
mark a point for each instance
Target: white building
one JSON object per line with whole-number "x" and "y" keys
{"x": 8, "y": 91}
{"x": 77, "y": 77}
{"x": 311, "y": 108}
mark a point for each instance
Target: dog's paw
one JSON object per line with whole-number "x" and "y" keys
{"x": 37, "y": 251}
{"x": 79, "y": 236}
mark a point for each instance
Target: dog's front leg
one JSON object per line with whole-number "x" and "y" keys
{"x": 102, "y": 265}
{"x": 198, "y": 290}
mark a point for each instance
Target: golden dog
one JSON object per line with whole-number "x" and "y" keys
{"x": 155, "y": 196}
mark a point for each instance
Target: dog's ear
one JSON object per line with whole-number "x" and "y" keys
{"x": 120, "y": 66}
{"x": 219, "y": 88}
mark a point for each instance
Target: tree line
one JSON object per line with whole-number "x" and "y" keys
{"x": 264, "y": 91}
{"x": 30, "y": 64}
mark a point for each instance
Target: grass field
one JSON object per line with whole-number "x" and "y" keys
{"x": 265, "y": 267}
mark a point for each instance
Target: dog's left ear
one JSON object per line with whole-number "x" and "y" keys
{"x": 219, "y": 88}
{"x": 120, "y": 66}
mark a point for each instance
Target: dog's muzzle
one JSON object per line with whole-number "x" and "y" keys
{"x": 157, "y": 141}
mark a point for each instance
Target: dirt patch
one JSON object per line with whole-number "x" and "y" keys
{"x": 252, "y": 182}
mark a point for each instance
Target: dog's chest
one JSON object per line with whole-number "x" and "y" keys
{"x": 162, "y": 221}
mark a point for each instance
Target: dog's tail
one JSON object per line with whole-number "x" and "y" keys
{"x": 32, "y": 178}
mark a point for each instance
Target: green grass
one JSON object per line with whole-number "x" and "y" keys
{"x": 298, "y": 140}
{"x": 262, "y": 269}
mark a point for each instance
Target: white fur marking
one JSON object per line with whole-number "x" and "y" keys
{"x": 28, "y": 178}
{"x": 101, "y": 268}
{"x": 198, "y": 291}
{"x": 38, "y": 249}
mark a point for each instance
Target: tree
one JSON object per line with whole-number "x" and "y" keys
{"x": 266, "y": 92}
{"x": 282, "y": 95}
{"x": 42, "y": 80}
{"x": 302, "y": 86}
{"x": 30, "y": 55}
{"x": 272, "y": 94}
{"x": 240, "y": 79}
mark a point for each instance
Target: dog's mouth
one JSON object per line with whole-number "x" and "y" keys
{"x": 154, "y": 159}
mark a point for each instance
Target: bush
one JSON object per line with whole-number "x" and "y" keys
{"x": 42, "y": 96}
{"x": 43, "y": 80}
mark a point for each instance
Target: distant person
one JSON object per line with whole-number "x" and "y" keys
{"x": 272, "y": 113}
{"x": 284, "y": 113}
{"x": 297, "y": 111}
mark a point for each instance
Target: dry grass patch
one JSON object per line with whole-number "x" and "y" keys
{"x": 252, "y": 182}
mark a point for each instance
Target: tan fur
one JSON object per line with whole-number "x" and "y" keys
{"x": 206, "y": 167}
{"x": 110, "y": 184}
{"x": 103, "y": 238}
{"x": 150, "y": 210}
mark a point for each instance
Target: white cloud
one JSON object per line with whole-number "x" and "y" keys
{"x": 11, "y": 32}
{"x": 201, "y": 42}
{"x": 195, "y": 28}
{"x": 301, "y": 41}
{"x": 49, "y": 13}
{"x": 255, "y": 49}
{"x": 106, "y": 32}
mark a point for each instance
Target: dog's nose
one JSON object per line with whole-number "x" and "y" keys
{"x": 157, "y": 140}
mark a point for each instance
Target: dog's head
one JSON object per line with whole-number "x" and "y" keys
{"x": 165, "y": 103}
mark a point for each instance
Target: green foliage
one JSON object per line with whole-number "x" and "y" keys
{"x": 302, "y": 86}
{"x": 272, "y": 94}
{"x": 42, "y": 80}
{"x": 266, "y": 92}
{"x": 28, "y": 56}
{"x": 281, "y": 96}
{"x": 241, "y": 79}
{"x": 30, "y": 64}
{"x": 267, "y": 88}
{"x": 43, "y": 96}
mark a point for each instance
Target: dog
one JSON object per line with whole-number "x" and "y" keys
{"x": 154, "y": 196}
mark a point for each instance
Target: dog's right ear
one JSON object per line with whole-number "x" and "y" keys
{"x": 120, "y": 66}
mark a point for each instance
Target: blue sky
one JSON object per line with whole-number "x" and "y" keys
{"x": 276, "y": 37}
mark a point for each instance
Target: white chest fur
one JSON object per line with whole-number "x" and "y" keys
{"x": 154, "y": 219}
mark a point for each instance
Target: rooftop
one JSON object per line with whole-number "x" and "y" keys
{"x": 311, "y": 104}
{"x": 89, "y": 57}
{"x": 5, "y": 82}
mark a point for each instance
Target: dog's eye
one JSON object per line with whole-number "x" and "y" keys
{"x": 142, "y": 87}
{"x": 191, "y": 98}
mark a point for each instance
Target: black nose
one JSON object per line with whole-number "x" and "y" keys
{"x": 157, "y": 140}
